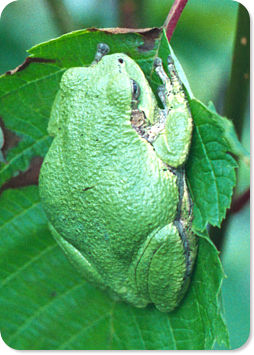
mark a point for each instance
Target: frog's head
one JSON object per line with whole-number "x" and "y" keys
{"x": 127, "y": 73}
{"x": 114, "y": 78}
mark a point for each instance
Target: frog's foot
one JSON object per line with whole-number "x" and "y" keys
{"x": 171, "y": 93}
{"x": 102, "y": 49}
{"x": 78, "y": 260}
{"x": 165, "y": 91}
{"x": 173, "y": 142}
{"x": 159, "y": 271}
{"x": 176, "y": 82}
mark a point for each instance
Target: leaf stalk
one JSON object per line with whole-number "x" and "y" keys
{"x": 173, "y": 17}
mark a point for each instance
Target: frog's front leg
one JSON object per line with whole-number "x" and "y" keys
{"x": 159, "y": 270}
{"x": 78, "y": 260}
{"x": 173, "y": 142}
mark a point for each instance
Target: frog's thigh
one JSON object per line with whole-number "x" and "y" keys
{"x": 160, "y": 268}
{"x": 77, "y": 259}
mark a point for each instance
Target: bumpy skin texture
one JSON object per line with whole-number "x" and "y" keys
{"x": 111, "y": 201}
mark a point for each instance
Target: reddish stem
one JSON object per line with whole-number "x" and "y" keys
{"x": 240, "y": 202}
{"x": 173, "y": 17}
{"x": 25, "y": 178}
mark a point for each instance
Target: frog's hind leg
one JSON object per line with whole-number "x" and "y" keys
{"x": 78, "y": 260}
{"x": 159, "y": 270}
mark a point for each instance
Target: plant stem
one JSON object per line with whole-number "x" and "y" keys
{"x": 240, "y": 202}
{"x": 238, "y": 90}
{"x": 236, "y": 99}
{"x": 61, "y": 16}
{"x": 25, "y": 178}
{"x": 173, "y": 17}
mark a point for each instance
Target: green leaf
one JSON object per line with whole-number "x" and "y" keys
{"x": 230, "y": 135}
{"x": 46, "y": 305}
{"x": 210, "y": 169}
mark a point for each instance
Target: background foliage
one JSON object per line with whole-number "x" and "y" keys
{"x": 28, "y": 22}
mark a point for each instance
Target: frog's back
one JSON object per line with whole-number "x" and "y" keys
{"x": 102, "y": 183}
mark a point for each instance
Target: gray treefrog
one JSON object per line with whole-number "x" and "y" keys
{"x": 113, "y": 183}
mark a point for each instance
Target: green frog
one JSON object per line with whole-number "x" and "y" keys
{"x": 113, "y": 181}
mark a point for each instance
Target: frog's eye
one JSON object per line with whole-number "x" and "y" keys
{"x": 135, "y": 90}
{"x": 120, "y": 60}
